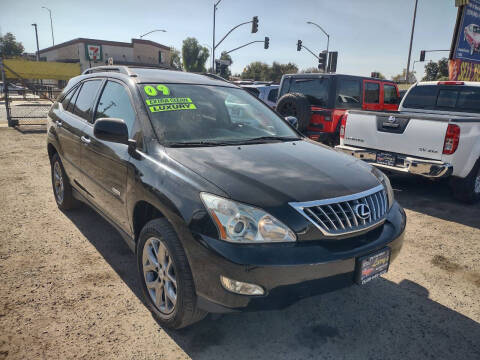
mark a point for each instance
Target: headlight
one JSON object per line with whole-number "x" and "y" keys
{"x": 240, "y": 223}
{"x": 386, "y": 184}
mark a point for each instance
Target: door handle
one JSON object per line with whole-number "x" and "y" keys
{"x": 85, "y": 140}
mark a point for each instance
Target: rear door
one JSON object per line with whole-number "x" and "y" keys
{"x": 391, "y": 97}
{"x": 371, "y": 95}
{"x": 105, "y": 162}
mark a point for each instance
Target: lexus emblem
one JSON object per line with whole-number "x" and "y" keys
{"x": 362, "y": 211}
{"x": 391, "y": 119}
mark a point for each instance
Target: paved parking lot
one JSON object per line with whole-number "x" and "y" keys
{"x": 69, "y": 287}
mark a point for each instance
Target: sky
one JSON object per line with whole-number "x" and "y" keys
{"x": 369, "y": 35}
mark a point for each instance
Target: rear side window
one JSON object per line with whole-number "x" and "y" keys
{"x": 390, "y": 94}
{"x": 372, "y": 93}
{"x": 115, "y": 103}
{"x": 272, "y": 95}
{"x": 469, "y": 100}
{"x": 67, "y": 98}
{"x": 315, "y": 89}
{"x": 447, "y": 98}
{"x": 71, "y": 104}
{"x": 421, "y": 97}
{"x": 349, "y": 94}
{"x": 84, "y": 102}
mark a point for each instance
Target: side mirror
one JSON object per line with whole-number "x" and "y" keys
{"x": 292, "y": 120}
{"x": 111, "y": 129}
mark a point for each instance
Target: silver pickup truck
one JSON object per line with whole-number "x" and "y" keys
{"x": 435, "y": 134}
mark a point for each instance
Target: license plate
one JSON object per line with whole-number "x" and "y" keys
{"x": 371, "y": 266}
{"x": 386, "y": 159}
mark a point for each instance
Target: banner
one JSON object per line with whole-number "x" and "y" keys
{"x": 463, "y": 70}
{"x": 468, "y": 39}
{"x": 41, "y": 69}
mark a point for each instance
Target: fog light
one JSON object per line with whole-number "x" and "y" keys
{"x": 239, "y": 287}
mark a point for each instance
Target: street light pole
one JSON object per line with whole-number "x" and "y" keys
{"x": 411, "y": 41}
{"x": 328, "y": 37}
{"x": 36, "y": 36}
{"x": 51, "y": 23}
{"x": 213, "y": 42}
{"x": 161, "y": 30}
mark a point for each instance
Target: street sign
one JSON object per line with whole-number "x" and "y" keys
{"x": 223, "y": 62}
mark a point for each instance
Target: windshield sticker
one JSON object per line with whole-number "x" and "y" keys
{"x": 172, "y": 107}
{"x": 150, "y": 90}
{"x": 168, "y": 101}
{"x": 163, "y": 89}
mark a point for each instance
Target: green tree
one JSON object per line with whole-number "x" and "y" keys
{"x": 381, "y": 76}
{"x": 256, "y": 71}
{"x": 278, "y": 70}
{"x": 431, "y": 71}
{"x": 194, "y": 55}
{"x": 225, "y": 70}
{"x": 442, "y": 68}
{"x": 9, "y": 46}
{"x": 311, "y": 70}
{"x": 175, "y": 59}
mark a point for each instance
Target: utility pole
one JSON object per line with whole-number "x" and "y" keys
{"x": 411, "y": 41}
{"x": 36, "y": 36}
{"x": 51, "y": 23}
{"x": 213, "y": 42}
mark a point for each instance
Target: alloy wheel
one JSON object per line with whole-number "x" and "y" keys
{"x": 159, "y": 275}
{"x": 58, "y": 182}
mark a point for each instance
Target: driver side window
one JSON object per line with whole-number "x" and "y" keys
{"x": 115, "y": 103}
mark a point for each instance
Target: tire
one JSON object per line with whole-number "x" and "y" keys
{"x": 172, "y": 303}
{"x": 295, "y": 104}
{"x": 468, "y": 188}
{"x": 62, "y": 190}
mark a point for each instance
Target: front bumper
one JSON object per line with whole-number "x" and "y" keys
{"x": 405, "y": 164}
{"x": 287, "y": 272}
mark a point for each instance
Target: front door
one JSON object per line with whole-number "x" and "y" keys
{"x": 104, "y": 162}
{"x": 371, "y": 95}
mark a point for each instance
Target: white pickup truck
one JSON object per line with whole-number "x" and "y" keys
{"x": 435, "y": 133}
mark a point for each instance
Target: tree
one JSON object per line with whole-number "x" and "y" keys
{"x": 175, "y": 59}
{"x": 256, "y": 71}
{"x": 401, "y": 77}
{"x": 194, "y": 56}
{"x": 225, "y": 70}
{"x": 9, "y": 46}
{"x": 311, "y": 70}
{"x": 431, "y": 71}
{"x": 261, "y": 71}
{"x": 381, "y": 76}
{"x": 442, "y": 68}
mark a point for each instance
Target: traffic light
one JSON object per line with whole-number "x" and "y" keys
{"x": 422, "y": 55}
{"x": 266, "y": 44}
{"x": 299, "y": 45}
{"x": 322, "y": 60}
{"x": 254, "y": 24}
{"x": 332, "y": 61}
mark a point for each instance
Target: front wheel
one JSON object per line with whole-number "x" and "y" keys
{"x": 166, "y": 277}
{"x": 468, "y": 189}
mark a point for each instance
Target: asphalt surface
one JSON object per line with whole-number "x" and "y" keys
{"x": 69, "y": 287}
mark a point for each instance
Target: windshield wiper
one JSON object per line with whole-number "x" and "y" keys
{"x": 269, "y": 138}
{"x": 196, "y": 143}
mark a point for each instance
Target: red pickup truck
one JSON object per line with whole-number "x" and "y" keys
{"x": 319, "y": 101}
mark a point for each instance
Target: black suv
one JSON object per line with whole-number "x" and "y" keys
{"x": 226, "y": 206}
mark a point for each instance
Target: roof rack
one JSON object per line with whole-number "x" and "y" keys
{"x": 108, "y": 68}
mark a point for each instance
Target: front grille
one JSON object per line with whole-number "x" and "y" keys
{"x": 346, "y": 214}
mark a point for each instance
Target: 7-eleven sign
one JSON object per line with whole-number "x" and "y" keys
{"x": 94, "y": 52}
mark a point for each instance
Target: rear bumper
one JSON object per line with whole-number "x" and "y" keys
{"x": 286, "y": 272}
{"x": 407, "y": 164}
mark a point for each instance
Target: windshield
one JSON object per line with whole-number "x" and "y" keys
{"x": 202, "y": 114}
{"x": 476, "y": 29}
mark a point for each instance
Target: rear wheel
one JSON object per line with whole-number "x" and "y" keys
{"x": 468, "y": 189}
{"x": 166, "y": 278}
{"x": 62, "y": 190}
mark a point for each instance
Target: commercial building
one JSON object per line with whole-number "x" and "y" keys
{"x": 94, "y": 52}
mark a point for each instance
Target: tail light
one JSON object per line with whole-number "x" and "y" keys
{"x": 319, "y": 116}
{"x": 452, "y": 138}
{"x": 450, "y": 83}
{"x": 343, "y": 126}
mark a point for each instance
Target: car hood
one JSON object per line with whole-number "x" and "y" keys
{"x": 271, "y": 174}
